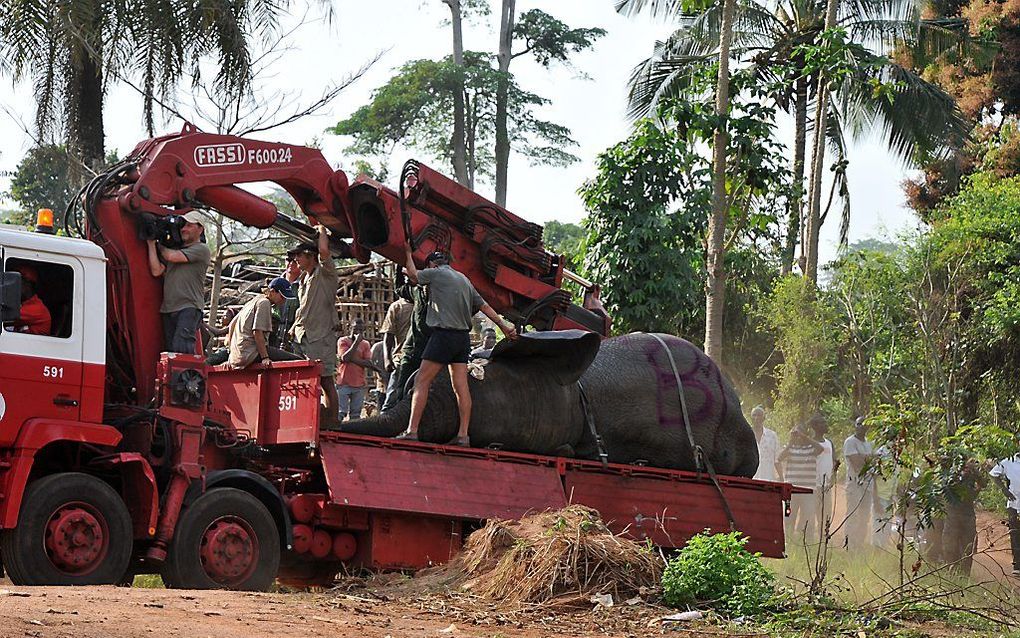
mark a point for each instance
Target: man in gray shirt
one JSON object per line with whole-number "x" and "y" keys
{"x": 183, "y": 272}
{"x": 316, "y": 320}
{"x": 452, "y": 303}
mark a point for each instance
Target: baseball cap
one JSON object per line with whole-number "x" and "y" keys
{"x": 438, "y": 256}
{"x": 195, "y": 217}
{"x": 303, "y": 247}
{"x": 282, "y": 286}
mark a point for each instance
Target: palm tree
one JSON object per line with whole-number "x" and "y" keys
{"x": 71, "y": 49}
{"x": 715, "y": 241}
{"x": 920, "y": 121}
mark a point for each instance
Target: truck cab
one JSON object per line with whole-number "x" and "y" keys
{"x": 57, "y": 373}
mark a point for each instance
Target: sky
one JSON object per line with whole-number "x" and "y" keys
{"x": 590, "y": 99}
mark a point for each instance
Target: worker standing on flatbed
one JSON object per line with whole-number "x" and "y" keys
{"x": 183, "y": 272}
{"x": 316, "y": 320}
{"x": 452, "y": 303}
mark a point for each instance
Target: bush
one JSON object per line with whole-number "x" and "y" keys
{"x": 716, "y": 570}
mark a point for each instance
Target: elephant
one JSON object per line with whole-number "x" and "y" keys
{"x": 545, "y": 392}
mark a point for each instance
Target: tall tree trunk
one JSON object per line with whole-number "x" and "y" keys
{"x": 503, "y": 57}
{"x": 797, "y": 204}
{"x": 84, "y": 108}
{"x": 818, "y": 164}
{"x": 460, "y": 171}
{"x": 715, "y": 297}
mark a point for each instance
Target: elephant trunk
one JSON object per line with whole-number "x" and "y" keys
{"x": 389, "y": 423}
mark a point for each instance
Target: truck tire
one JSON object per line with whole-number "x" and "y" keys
{"x": 73, "y": 529}
{"x": 226, "y": 539}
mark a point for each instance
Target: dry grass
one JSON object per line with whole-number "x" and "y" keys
{"x": 567, "y": 555}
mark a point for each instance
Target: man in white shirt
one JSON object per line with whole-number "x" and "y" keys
{"x": 826, "y": 470}
{"x": 768, "y": 446}
{"x": 1007, "y": 475}
{"x": 860, "y": 484}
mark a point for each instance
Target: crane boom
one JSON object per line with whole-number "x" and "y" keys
{"x": 501, "y": 253}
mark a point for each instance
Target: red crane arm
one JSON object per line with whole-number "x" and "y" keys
{"x": 501, "y": 253}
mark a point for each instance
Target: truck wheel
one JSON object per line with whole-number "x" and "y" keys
{"x": 226, "y": 539}
{"x": 73, "y": 529}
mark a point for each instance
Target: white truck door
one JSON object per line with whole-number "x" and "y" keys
{"x": 41, "y": 355}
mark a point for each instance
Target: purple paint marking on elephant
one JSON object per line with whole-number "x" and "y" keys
{"x": 667, "y": 391}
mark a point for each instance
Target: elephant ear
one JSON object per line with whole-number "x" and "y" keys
{"x": 563, "y": 354}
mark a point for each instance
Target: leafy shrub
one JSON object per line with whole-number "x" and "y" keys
{"x": 715, "y": 569}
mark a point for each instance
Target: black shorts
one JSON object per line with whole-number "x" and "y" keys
{"x": 448, "y": 346}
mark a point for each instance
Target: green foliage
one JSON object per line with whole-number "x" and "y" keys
{"x": 716, "y": 570}
{"x": 42, "y": 181}
{"x": 646, "y": 256}
{"x": 415, "y": 108}
{"x": 565, "y": 239}
{"x": 549, "y": 40}
{"x": 49, "y": 40}
{"x": 806, "y": 335}
{"x": 650, "y": 200}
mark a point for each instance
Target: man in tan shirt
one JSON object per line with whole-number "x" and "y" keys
{"x": 395, "y": 327}
{"x": 316, "y": 320}
{"x": 248, "y": 334}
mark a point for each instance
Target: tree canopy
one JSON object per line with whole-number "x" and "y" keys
{"x": 415, "y": 108}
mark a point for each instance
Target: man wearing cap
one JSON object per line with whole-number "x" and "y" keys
{"x": 315, "y": 323}
{"x": 248, "y": 335}
{"x": 35, "y": 316}
{"x": 183, "y": 272}
{"x": 452, "y": 303}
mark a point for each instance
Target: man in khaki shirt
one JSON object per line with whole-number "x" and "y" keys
{"x": 316, "y": 320}
{"x": 395, "y": 327}
{"x": 248, "y": 334}
{"x": 183, "y": 272}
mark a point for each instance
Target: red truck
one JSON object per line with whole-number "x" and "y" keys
{"x": 118, "y": 459}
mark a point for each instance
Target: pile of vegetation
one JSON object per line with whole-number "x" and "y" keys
{"x": 568, "y": 555}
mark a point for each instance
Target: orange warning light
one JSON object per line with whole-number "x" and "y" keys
{"x": 44, "y": 221}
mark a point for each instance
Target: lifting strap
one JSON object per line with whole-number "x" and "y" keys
{"x": 700, "y": 458}
{"x": 589, "y": 420}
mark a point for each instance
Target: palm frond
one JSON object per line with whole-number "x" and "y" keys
{"x": 657, "y": 8}
{"x": 920, "y": 122}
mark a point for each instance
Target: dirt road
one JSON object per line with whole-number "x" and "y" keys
{"x": 111, "y": 612}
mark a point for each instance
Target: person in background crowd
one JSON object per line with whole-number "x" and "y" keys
{"x": 827, "y": 467}
{"x": 35, "y": 317}
{"x": 395, "y": 329}
{"x": 381, "y": 375}
{"x": 248, "y": 332}
{"x": 1006, "y": 474}
{"x": 885, "y": 492}
{"x": 488, "y": 343}
{"x": 768, "y": 447}
{"x": 800, "y": 467}
{"x": 355, "y": 358}
{"x": 858, "y": 452}
{"x": 414, "y": 345}
{"x": 452, "y": 303}
{"x": 315, "y": 322}
{"x": 183, "y": 272}
{"x": 211, "y": 332}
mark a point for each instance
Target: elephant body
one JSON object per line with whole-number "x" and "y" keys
{"x": 530, "y": 401}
